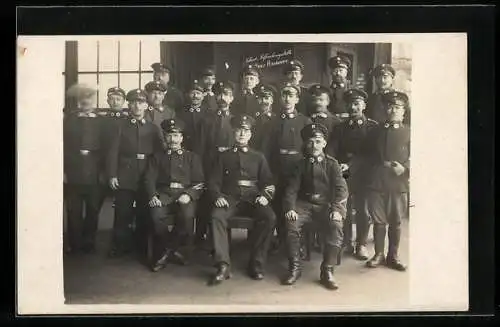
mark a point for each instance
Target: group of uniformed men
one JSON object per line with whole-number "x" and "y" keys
{"x": 286, "y": 156}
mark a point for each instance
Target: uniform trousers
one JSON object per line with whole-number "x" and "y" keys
{"x": 82, "y": 228}
{"x": 183, "y": 225}
{"x": 331, "y": 231}
{"x": 260, "y": 236}
{"x": 123, "y": 238}
{"x": 387, "y": 209}
{"x": 359, "y": 216}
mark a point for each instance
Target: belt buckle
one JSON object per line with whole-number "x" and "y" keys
{"x": 140, "y": 156}
{"x": 176, "y": 185}
{"x": 245, "y": 183}
{"x": 84, "y": 152}
{"x": 222, "y": 148}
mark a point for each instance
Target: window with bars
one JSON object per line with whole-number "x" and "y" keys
{"x": 109, "y": 63}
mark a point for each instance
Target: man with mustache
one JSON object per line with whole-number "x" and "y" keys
{"x": 388, "y": 181}
{"x": 339, "y": 69}
{"x": 263, "y": 118}
{"x": 316, "y": 192}
{"x": 384, "y": 77}
{"x": 283, "y": 149}
{"x": 346, "y": 144}
{"x": 294, "y": 72}
{"x": 241, "y": 181}
{"x": 245, "y": 101}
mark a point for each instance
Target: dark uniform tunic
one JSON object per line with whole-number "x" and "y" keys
{"x": 173, "y": 99}
{"x": 193, "y": 118}
{"x": 338, "y": 106}
{"x": 346, "y": 144}
{"x": 245, "y": 103}
{"x": 387, "y": 193}
{"x": 209, "y": 101}
{"x": 327, "y": 119}
{"x": 169, "y": 175}
{"x": 376, "y": 108}
{"x": 304, "y": 101}
{"x": 283, "y": 148}
{"x": 315, "y": 189}
{"x": 218, "y": 136}
{"x": 132, "y": 144}
{"x": 240, "y": 176}
{"x": 156, "y": 116}
{"x": 261, "y": 129}
{"x": 83, "y": 169}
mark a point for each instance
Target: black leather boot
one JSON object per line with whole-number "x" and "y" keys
{"x": 379, "y": 237}
{"x": 327, "y": 279}
{"x": 392, "y": 260}
{"x": 255, "y": 270}
{"x": 161, "y": 262}
{"x": 294, "y": 272}
{"x": 223, "y": 273}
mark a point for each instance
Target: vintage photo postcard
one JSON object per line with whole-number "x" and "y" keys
{"x": 242, "y": 173}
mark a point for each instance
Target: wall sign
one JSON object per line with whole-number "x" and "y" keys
{"x": 272, "y": 59}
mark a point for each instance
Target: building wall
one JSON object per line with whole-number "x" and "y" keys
{"x": 401, "y": 59}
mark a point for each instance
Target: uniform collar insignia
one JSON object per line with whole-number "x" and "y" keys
{"x": 241, "y": 148}
{"x": 193, "y": 109}
{"x": 87, "y": 114}
{"x": 134, "y": 121}
{"x": 319, "y": 158}
{"x": 393, "y": 125}
{"x": 178, "y": 151}
{"x": 289, "y": 115}
{"x": 223, "y": 112}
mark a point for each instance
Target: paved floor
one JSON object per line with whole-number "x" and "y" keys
{"x": 95, "y": 279}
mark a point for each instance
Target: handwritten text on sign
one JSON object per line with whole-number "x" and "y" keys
{"x": 269, "y": 59}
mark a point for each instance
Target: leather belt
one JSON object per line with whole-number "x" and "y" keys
{"x": 222, "y": 148}
{"x": 315, "y": 198}
{"x": 247, "y": 183}
{"x": 176, "y": 185}
{"x": 84, "y": 152}
{"x": 140, "y": 156}
{"x": 286, "y": 151}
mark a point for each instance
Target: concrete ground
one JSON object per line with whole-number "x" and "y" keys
{"x": 95, "y": 279}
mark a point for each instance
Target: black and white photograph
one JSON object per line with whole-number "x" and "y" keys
{"x": 265, "y": 171}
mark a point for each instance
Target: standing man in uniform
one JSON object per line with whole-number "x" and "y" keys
{"x": 111, "y": 117}
{"x": 82, "y": 169}
{"x": 388, "y": 182}
{"x": 294, "y": 72}
{"x": 173, "y": 97}
{"x": 346, "y": 144}
{"x": 207, "y": 81}
{"x": 319, "y": 101}
{"x": 317, "y": 193}
{"x": 263, "y": 118}
{"x": 384, "y": 77}
{"x": 283, "y": 149}
{"x": 133, "y": 142}
{"x": 217, "y": 137}
{"x": 245, "y": 102}
{"x": 339, "y": 69}
{"x": 241, "y": 182}
{"x": 193, "y": 115}
{"x": 157, "y": 112}
{"x": 174, "y": 182}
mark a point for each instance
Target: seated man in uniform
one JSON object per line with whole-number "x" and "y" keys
{"x": 317, "y": 193}
{"x": 174, "y": 182}
{"x": 388, "y": 180}
{"x": 241, "y": 182}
